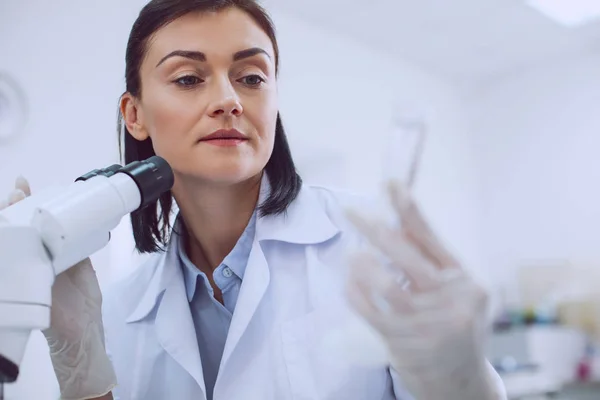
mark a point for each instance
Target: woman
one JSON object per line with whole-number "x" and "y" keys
{"x": 202, "y": 93}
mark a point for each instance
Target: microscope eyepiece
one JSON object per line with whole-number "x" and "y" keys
{"x": 153, "y": 177}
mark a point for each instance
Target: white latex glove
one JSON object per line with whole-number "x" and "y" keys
{"x": 435, "y": 328}
{"x": 76, "y": 333}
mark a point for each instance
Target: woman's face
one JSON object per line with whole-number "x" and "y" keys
{"x": 205, "y": 74}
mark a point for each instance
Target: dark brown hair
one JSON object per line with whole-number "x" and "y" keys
{"x": 151, "y": 227}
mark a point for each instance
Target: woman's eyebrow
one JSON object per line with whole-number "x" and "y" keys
{"x": 240, "y": 55}
{"x": 192, "y": 55}
{"x": 200, "y": 56}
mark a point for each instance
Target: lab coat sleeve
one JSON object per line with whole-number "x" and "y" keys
{"x": 498, "y": 385}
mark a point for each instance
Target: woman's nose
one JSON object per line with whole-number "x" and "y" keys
{"x": 225, "y": 102}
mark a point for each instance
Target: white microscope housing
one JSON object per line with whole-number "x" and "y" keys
{"x": 45, "y": 234}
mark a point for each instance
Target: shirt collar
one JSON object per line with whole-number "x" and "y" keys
{"x": 236, "y": 260}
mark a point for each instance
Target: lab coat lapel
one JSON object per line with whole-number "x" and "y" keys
{"x": 255, "y": 283}
{"x": 305, "y": 222}
{"x": 175, "y": 328}
{"x": 173, "y": 323}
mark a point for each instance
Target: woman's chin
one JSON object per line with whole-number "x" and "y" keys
{"x": 218, "y": 169}
{"x": 224, "y": 176}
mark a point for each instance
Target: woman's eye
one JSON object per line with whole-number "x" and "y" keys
{"x": 188, "y": 80}
{"x": 252, "y": 80}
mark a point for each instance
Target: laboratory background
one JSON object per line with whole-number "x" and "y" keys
{"x": 508, "y": 92}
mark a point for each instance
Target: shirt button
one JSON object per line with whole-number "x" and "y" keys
{"x": 227, "y": 273}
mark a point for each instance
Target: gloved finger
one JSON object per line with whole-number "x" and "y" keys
{"x": 383, "y": 287}
{"x": 439, "y": 299}
{"x": 418, "y": 268}
{"x": 417, "y": 229}
{"x": 15, "y": 196}
{"x": 460, "y": 300}
{"x": 390, "y": 293}
{"x": 453, "y": 284}
{"x": 402, "y": 254}
{"x": 400, "y": 327}
{"x": 377, "y": 294}
{"x": 22, "y": 184}
{"x": 370, "y": 279}
{"x": 3, "y": 204}
{"x": 360, "y": 300}
{"x": 468, "y": 296}
{"x": 425, "y": 323}
{"x": 414, "y": 350}
{"x": 386, "y": 291}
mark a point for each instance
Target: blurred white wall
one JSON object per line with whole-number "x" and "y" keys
{"x": 537, "y": 134}
{"x": 336, "y": 102}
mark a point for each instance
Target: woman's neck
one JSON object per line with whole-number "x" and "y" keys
{"x": 215, "y": 218}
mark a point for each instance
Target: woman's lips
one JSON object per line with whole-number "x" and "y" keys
{"x": 225, "y": 137}
{"x": 224, "y": 142}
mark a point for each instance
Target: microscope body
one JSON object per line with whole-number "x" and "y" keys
{"x": 47, "y": 233}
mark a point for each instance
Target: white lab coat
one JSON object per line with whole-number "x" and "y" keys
{"x": 293, "y": 277}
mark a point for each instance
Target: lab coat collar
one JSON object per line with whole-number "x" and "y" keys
{"x": 304, "y": 222}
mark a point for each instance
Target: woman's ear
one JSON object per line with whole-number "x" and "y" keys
{"x": 133, "y": 117}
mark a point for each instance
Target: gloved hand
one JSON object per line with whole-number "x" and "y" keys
{"x": 76, "y": 334}
{"x": 430, "y": 313}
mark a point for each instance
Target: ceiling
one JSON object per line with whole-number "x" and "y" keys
{"x": 468, "y": 41}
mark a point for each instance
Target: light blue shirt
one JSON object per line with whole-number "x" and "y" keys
{"x": 211, "y": 318}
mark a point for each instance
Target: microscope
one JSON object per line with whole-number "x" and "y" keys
{"x": 47, "y": 233}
